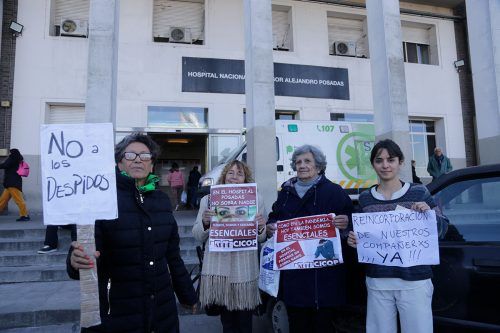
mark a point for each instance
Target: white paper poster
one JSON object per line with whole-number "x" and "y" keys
{"x": 397, "y": 238}
{"x": 78, "y": 173}
{"x": 307, "y": 242}
{"x": 233, "y": 228}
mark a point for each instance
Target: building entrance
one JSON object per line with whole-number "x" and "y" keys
{"x": 186, "y": 150}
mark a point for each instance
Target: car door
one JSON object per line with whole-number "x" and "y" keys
{"x": 467, "y": 281}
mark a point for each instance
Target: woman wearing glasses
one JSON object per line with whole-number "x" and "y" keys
{"x": 138, "y": 260}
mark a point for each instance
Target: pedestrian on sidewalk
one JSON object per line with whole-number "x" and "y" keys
{"x": 229, "y": 284}
{"x": 52, "y": 240}
{"x": 13, "y": 184}
{"x": 176, "y": 180}
{"x": 139, "y": 266}
{"x": 438, "y": 164}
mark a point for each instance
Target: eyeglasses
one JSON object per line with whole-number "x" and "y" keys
{"x": 131, "y": 156}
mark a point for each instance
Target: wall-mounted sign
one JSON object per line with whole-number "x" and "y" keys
{"x": 227, "y": 76}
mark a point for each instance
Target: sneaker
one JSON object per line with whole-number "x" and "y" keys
{"x": 47, "y": 249}
{"x": 24, "y": 218}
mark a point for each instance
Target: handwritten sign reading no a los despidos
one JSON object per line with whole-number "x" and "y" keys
{"x": 397, "y": 238}
{"x": 78, "y": 173}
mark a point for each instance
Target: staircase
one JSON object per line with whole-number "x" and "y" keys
{"x": 36, "y": 294}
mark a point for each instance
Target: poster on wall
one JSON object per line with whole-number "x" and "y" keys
{"x": 233, "y": 228}
{"x": 78, "y": 173}
{"x": 307, "y": 242}
{"x": 227, "y": 76}
{"x": 401, "y": 238}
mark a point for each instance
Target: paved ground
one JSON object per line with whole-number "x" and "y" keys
{"x": 59, "y": 300}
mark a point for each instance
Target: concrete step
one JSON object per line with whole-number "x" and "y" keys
{"x": 30, "y": 258}
{"x": 26, "y": 244}
{"x": 29, "y": 233}
{"x": 36, "y": 273}
{"x": 62, "y": 328}
{"x": 49, "y": 303}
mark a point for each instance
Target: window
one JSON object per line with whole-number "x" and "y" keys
{"x": 279, "y": 114}
{"x": 282, "y": 28}
{"x": 285, "y": 115}
{"x": 419, "y": 43}
{"x": 354, "y": 117}
{"x": 350, "y": 30}
{"x": 416, "y": 53}
{"x": 65, "y": 114}
{"x": 224, "y": 148}
{"x": 472, "y": 208}
{"x": 179, "y": 21}
{"x": 423, "y": 141}
{"x": 69, "y": 18}
{"x": 174, "y": 116}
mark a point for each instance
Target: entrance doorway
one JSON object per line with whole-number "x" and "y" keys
{"x": 187, "y": 150}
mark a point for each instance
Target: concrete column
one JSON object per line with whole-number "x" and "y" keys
{"x": 100, "y": 107}
{"x": 483, "y": 22}
{"x": 259, "y": 93}
{"x": 1, "y": 24}
{"x": 388, "y": 76}
{"x": 102, "y": 61}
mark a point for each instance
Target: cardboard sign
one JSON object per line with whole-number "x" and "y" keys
{"x": 234, "y": 227}
{"x": 78, "y": 173}
{"x": 397, "y": 238}
{"x": 307, "y": 242}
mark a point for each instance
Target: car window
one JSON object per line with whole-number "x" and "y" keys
{"x": 473, "y": 209}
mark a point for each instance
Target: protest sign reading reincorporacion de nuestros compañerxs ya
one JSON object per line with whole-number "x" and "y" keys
{"x": 78, "y": 173}
{"x": 397, "y": 238}
{"x": 233, "y": 228}
{"x": 307, "y": 242}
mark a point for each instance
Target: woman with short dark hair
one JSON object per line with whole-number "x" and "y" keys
{"x": 138, "y": 257}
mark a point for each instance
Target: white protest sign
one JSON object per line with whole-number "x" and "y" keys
{"x": 78, "y": 173}
{"x": 307, "y": 242}
{"x": 233, "y": 228}
{"x": 397, "y": 238}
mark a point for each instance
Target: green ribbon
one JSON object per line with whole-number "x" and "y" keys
{"x": 150, "y": 184}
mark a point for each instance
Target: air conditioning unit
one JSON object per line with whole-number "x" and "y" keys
{"x": 344, "y": 48}
{"x": 180, "y": 35}
{"x": 71, "y": 27}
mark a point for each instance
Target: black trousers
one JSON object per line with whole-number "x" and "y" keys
{"x": 238, "y": 321}
{"x": 51, "y": 238}
{"x": 310, "y": 320}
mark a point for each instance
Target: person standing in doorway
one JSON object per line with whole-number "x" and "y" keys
{"x": 192, "y": 185}
{"x": 13, "y": 184}
{"x": 176, "y": 181}
{"x": 438, "y": 164}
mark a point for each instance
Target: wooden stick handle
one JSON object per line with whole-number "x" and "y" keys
{"x": 89, "y": 290}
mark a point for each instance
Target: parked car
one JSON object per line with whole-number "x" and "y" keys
{"x": 467, "y": 281}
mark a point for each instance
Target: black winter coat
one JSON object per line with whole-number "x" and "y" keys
{"x": 140, "y": 265}
{"x": 318, "y": 287}
{"x": 11, "y": 178}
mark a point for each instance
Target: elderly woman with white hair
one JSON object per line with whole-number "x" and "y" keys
{"x": 311, "y": 295}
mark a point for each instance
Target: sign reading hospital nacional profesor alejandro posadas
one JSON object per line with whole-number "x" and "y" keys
{"x": 227, "y": 76}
